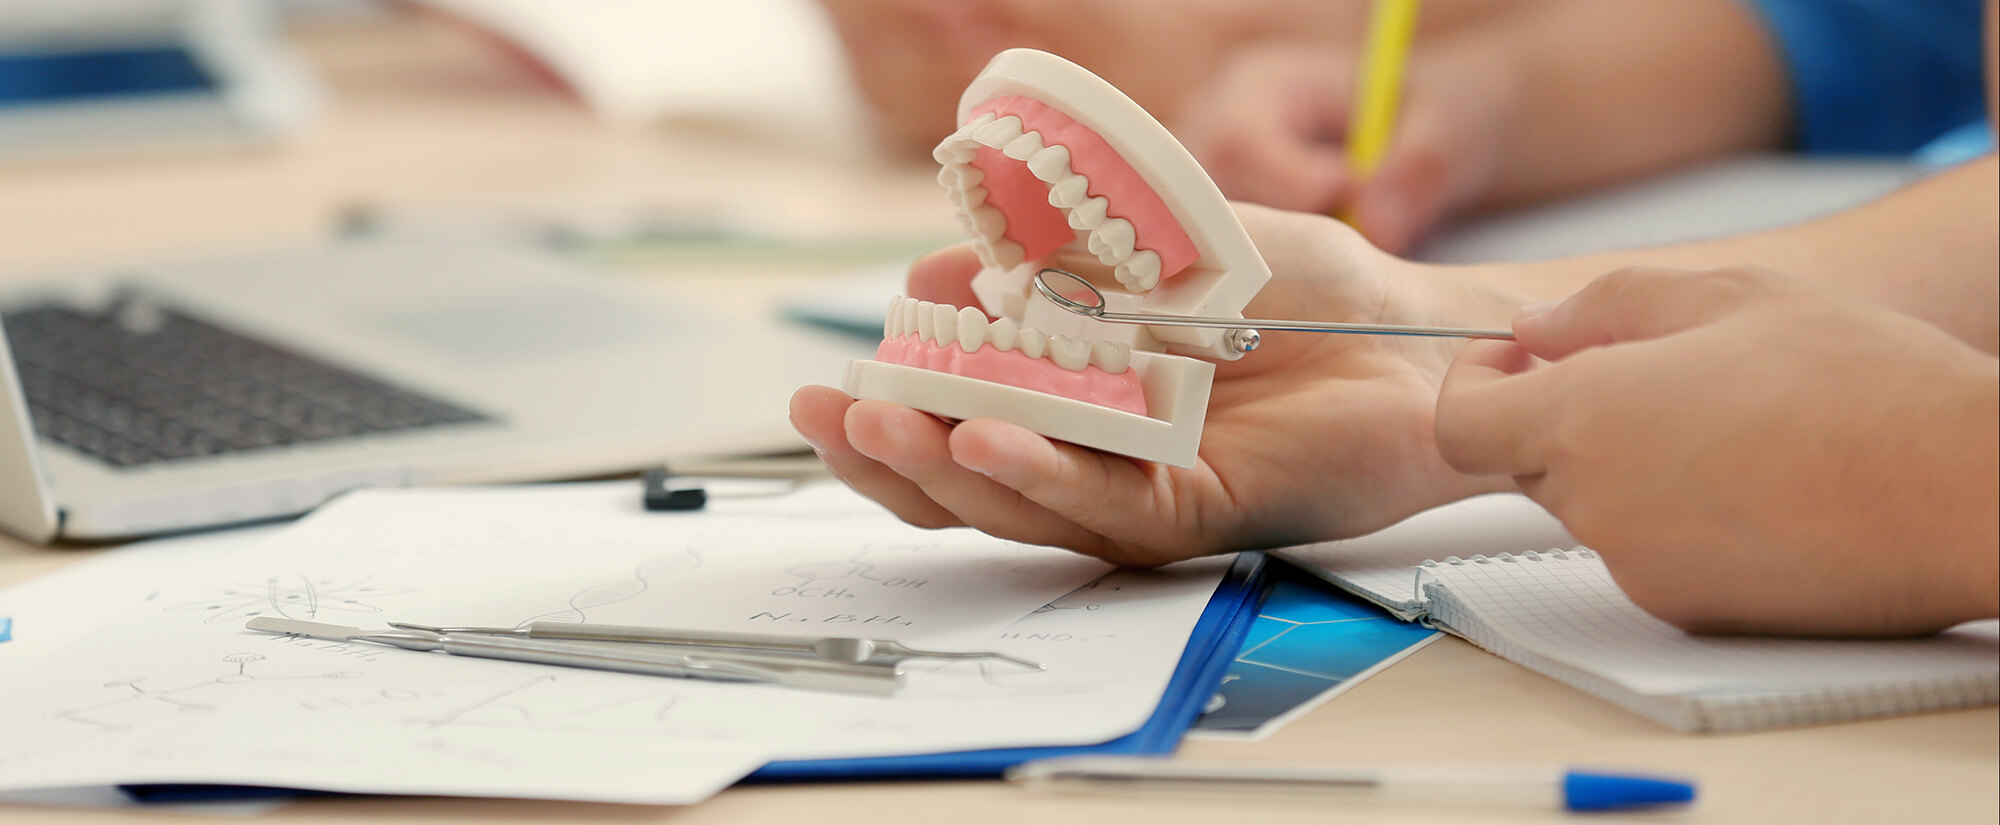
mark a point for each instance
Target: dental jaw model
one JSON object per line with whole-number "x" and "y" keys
{"x": 1054, "y": 167}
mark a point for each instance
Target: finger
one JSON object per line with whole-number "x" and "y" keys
{"x": 1106, "y": 496}
{"x": 902, "y": 67}
{"x": 1312, "y": 177}
{"x": 1637, "y": 303}
{"x": 1413, "y": 189}
{"x": 1494, "y": 411}
{"x": 1312, "y": 162}
{"x": 914, "y": 446}
{"x": 816, "y": 414}
{"x": 945, "y": 276}
{"x": 1271, "y": 146}
{"x": 1294, "y": 161}
{"x": 820, "y": 415}
{"x": 1292, "y": 167}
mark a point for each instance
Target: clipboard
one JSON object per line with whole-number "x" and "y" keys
{"x": 1211, "y": 649}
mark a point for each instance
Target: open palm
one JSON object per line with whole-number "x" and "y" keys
{"x": 1310, "y": 437}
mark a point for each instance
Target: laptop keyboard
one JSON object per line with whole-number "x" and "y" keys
{"x": 136, "y": 383}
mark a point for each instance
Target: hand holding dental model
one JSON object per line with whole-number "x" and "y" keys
{"x": 1674, "y": 471}
{"x": 1110, "y": 196}
{"x": 1310, "y": 437}
{"x": 1057, "y": 174}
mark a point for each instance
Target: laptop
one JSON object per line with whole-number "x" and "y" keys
{"x": 216, "y": 392}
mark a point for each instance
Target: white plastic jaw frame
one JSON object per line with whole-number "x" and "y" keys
{"x": 1226, "y": 273}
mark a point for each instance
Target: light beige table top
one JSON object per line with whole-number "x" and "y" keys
{"x": 425, "y": 117}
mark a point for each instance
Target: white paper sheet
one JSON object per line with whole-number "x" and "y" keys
{"x": 1109, "y": 648}
{"x": 820, "y": 561}
{"x": 54, "y": 611}
{"x": 62, "y": 607}
{"x": 176, "y": 691}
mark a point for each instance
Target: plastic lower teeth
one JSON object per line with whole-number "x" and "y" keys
{"x": 968, "y": 329}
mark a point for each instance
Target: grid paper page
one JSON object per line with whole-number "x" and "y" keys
{"x": 1381, "y": 566}
{"x": 1565, "y": 608}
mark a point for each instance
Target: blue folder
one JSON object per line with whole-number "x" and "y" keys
{"x": 1211, "y": 649}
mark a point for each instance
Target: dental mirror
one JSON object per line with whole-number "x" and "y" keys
{"x": 1243, "y": 336}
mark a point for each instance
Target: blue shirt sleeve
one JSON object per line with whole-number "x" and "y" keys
{"x": 1878, "y": 76}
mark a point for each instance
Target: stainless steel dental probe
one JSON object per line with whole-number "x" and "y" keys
{"x": 643, "y": 659}
{"x": 1242, "y": 335}
{"x": 839, "y": 649}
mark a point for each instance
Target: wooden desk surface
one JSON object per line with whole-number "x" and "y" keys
{"x": 423, "y": 116}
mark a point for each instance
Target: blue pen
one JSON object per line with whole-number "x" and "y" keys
{"x": 1574, "y": 790}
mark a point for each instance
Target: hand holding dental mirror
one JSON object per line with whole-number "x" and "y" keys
{"x": 1242, "y": 334}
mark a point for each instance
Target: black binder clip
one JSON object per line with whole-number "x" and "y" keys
{"x": 664, "y": 495}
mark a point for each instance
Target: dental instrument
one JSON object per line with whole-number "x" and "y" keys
{"x": 1242, "y": 332}
{"x": 651, "y": 660}
{"x": 838, "y": 649}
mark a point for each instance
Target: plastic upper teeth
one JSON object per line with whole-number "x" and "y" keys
{"x": 1110, "y": 239}
{"x": 968, "y": 329}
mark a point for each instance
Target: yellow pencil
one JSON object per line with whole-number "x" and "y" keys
{"x": 1392, "y": 24}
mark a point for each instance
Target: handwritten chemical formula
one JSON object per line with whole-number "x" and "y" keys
{"x": 841, "y": 579}
{"x": 789, "y": 617}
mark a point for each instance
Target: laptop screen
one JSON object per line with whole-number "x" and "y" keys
{"x": 26, "y": 510}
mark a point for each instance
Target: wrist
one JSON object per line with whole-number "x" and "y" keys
{"x": 1974, "y": 576}
{"x": 1940, "y": 505}
{"x": 1436, "y": 295}
{"x": 1469, "y": 296}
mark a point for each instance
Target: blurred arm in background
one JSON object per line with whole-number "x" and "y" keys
{"x": 912, "y": 58}
{"x": 1508, "y": 101}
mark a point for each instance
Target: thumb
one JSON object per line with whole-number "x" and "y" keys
{"x": 945, "y": 276}
{"x": 1634, "y": 304}
{"x": 1273, "y": 155}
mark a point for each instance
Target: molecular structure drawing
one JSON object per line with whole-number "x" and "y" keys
{"x": 138, "y": 704}
{"x": 290, "y": 596}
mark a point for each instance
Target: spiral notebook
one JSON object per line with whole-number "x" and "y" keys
{"x": 1502, "y": 573}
